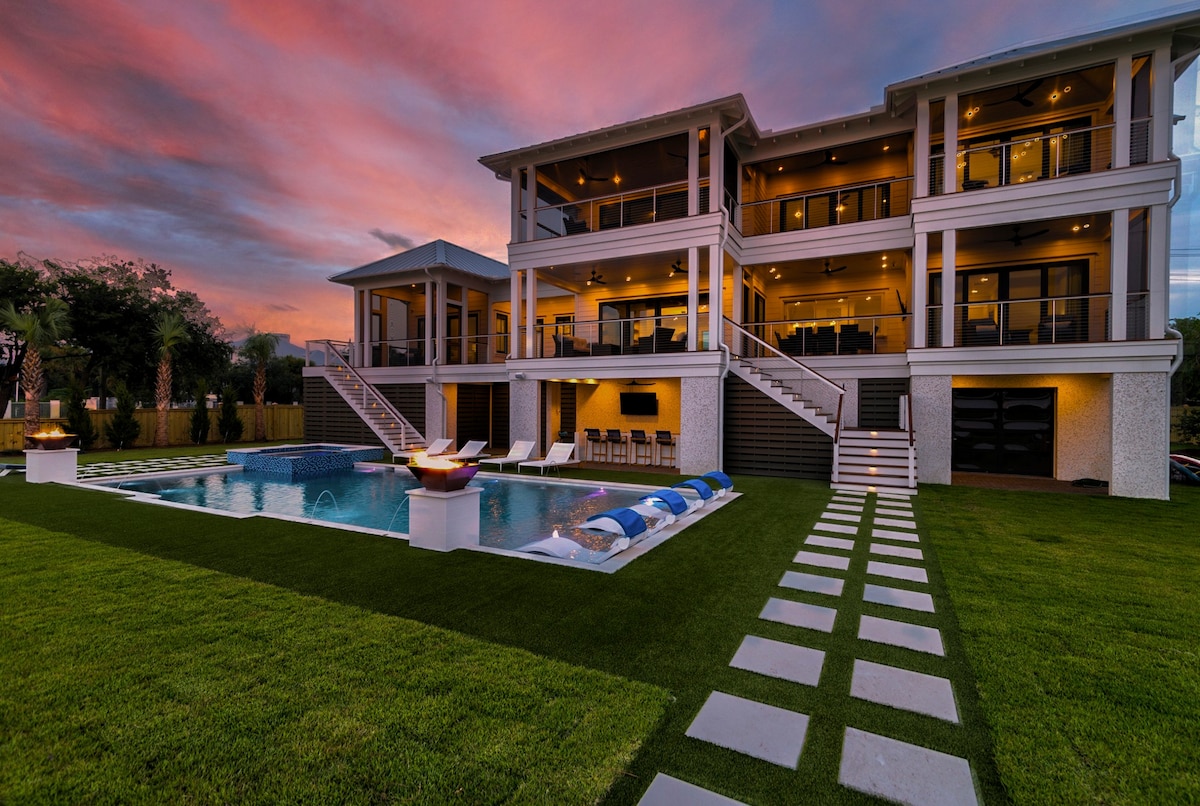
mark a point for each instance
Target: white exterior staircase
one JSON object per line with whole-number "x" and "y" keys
{"x": 369, "y": 404}
{"x": 874, "y": 460}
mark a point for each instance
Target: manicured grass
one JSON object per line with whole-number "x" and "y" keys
{"x": 130, "y": 679}
{"x": 1080, "y": 618}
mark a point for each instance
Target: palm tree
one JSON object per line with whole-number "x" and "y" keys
{"x": 170, "y": 331}
{"x": 38, "y": 328}
{"x": 258, "y": 349}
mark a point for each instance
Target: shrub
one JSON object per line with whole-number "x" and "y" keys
{"x": 228, "y": 422}
{"x": 200, "y": 421}
{"x": 1189, "y": 425}
{"x": 79, "y": 419}
{"x": 123, "y": 429}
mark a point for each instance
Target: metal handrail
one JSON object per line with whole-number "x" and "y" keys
{"x": 802, "y": 326}
{"x": 750, "y": 207}
{"x": 1052, "y": 318}
{"x": 594, "y": 328}
{"x": 590, "y": 221}
{"x": 737, "y": 328}
{"x": 373, "y": 393}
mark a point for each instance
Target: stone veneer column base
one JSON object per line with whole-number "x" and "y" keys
{"x": 1140, "y": 435}
{"x": 932, "y": 412}
{"x": 700, "y": 425}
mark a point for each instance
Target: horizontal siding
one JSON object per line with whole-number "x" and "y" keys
{"x": 328, "y": 418}
{"x": 879, "y": 402}
{"x": 762, "y": 438}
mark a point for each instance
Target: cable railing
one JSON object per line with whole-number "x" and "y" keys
{"x": 1017, "y": 159}
{"x": 644, "y": 335}
{"x": 851, "y": 335}
{"x": 1048, "y": 320}
{"x": 784, "y": 369}
{"x": 642, "y": 206}
{"x": 847, "y": 204}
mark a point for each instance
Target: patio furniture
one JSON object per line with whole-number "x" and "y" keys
{"x": 595, "y": 442}
{"x": 640, "y": 443}
{"x": 664, "y": 439}
{"x": 557, "y": 457}
{"x": 616, "y": 445}
{"x": 435, "y": 448}
{"x": 521, "y": 450}
{"x": 472, "y": 450}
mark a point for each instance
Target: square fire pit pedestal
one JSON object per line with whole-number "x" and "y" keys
{"x": 60, "y": 465}
{"x": 443, "y": 521}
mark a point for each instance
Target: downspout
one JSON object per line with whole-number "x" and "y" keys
{"x": 433, "y": 379}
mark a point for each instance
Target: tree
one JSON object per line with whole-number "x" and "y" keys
{"x": 200, "y": 422}
{"x": 123, "y": 429}
{"x": 1185, "y": 386}
{"x": 258, "y": 349}
{"x": 229, "y": 422}
{"x": 79, "y": 419}
{"x": 170, "y": 332}
{"x": 38, "y": 328}
{"x": 24, "y": 287}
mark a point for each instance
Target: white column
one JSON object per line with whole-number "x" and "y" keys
{"x": 443, "y": 350}
{"x": 716, "y": 158}
{"x": 739, "y": 302}
{"x": 716, "y": 302}
{"x": 1119, "y": 278}
{"x": 531, "y": 205}
{"x": 514, "y": 314}
{"x": 362, "y": 318}
{"x": 949, "y": 242}
{"x": 430, "y": 319}
{"x": 920, "y": 292}
{"x": 1160, "y": 274}
{"x": 1122, "y": 111}
{"x": 693, "y": 297}
{"x": 1160, "y": 108}
{"x": 693, "y": 172}
{"x": 531, "y": 334}
{"x": 921, "y": 151}
{"x": 949, "y": 173}
{"x": 518, "y": 231}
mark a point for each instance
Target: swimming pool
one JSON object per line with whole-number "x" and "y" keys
{"x": 513, "y": 511}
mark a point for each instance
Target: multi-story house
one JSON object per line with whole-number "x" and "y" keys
{"x": 970, "y": 278}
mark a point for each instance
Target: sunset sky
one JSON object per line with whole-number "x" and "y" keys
{"x": 257, "y": 147}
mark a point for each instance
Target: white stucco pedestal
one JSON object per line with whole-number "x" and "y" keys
{"x": 443, "y": 521}
{"x": 42, "y": 467}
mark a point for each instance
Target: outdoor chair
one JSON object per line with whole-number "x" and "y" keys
{"x": 558, "y": 456}
{"x": 520, "y": 451}
{"x": 435, "y": 448}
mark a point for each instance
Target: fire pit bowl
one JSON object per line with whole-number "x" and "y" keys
{"x": 444, "y": 479}
{"x": 52, "y": 440}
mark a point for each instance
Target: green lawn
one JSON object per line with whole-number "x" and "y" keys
{"x": 674, "y": 618}
{"x": 1081, "y": 621}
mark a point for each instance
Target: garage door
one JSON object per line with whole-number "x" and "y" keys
{"x": 1004, "y": 431}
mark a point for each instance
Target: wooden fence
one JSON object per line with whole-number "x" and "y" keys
{"x": 283, "y": 422}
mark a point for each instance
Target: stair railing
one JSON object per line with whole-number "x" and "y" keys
{"x": 745, "y": 344}
{"x": 371, "y": 395}
{"x": 906, "y": 404}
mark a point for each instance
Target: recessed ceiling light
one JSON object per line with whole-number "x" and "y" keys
{"x": 627, "y": 279}
{"x": 1085, "y": 226}
{"x": 1075, "y": 228}
{"x": 886, "y": 147}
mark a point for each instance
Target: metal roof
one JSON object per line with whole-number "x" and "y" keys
{"x": 435, "y": 254}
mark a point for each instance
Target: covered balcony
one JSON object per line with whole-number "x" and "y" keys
{"x": 1040, "y": 129}
{"x": 864, "y": 181}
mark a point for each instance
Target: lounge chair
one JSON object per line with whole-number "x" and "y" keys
{"x": 472, "y": 450}
{"x": 521, "y": 450}
{"x": 723, "y": 482}
{"x": 629, "y": 521}
{"x": 671, "y": 501}
{"x": 697, "y": 487}
{"x": 435, "y": 448}
{"x": 558, "y": 455}
{"x": 567, "y": 549}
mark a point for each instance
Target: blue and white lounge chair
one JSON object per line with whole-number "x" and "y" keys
{"x": 671, "y": 501}
{"x": 630, "y": 521}
{"x": 567, "y": 549}
{"x": 723, "y": 482}
{"x": 695, "y": 487}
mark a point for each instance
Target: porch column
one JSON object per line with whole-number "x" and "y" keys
{"x": 716, "y": 159}
{"x": 362, "y": 328}
{"x": 531, "y": 335}
{"x": 430, "y": 314}
{"x": 716, "y": 302}
{"x": 949, "y": 241}
{"x": 1119, "y": 278}
{"x": 921, "y": 151}
{"x": 442, "y": 329}
{"x": 532, "y": 204}
{"x": 517, "y": 227}
{"x": 1160, "y": 273}
{"x": 514, "y": 314}
{"x": 693, "y": 172}
{"x": 738, "y": 303}
{"x": 949, "y": 172}
{"x": 920, "y": 291}
{"x": 693, "y": 297}
{"x": 1160, "y": 108}
{"x": 1122, "y": 112}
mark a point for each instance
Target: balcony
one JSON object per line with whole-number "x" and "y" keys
{"x": 651, "y": 335}
{"x": 826, "y": 207}
{"x": 1048, "y": 320}
{"x": 643, "y": 206}
{"x": 861, "y": 335}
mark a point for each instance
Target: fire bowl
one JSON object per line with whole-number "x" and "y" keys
{"x": 53, "y": 441}
{"x": 444, "y": 480}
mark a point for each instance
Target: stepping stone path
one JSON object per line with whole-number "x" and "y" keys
{"x": 857, "y": 532}
{"x": 98, "y": 470}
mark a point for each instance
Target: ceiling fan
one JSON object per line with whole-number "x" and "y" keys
{"x": 636, "y": 382}
{"x": 829, "y": 270}
{"x": 677, "y": 266}
{"x": 586, "y": 176}
{"x": 829, "y": 158}
{"x": 1017, "y": 238}
{"x": 1022, "y": 95}
{"x": 598, "y": 279}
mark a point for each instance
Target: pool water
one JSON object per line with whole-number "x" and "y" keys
{"x": 512, "y": 511}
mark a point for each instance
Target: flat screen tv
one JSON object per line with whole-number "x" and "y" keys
{"x": 639, "y": 403}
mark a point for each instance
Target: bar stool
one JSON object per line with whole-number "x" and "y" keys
{"x": 664, "y": 439}
{"x": 595, "y": 442}
{"x": 616, "y": 443}
{"x": 641, "y": 447}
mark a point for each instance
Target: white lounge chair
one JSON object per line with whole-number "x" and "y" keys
{"x": 438, "y": 446}
{"x": 558, "y": 455}
{"x": 520, "y": 451}
{"x": 472, "y": 450}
